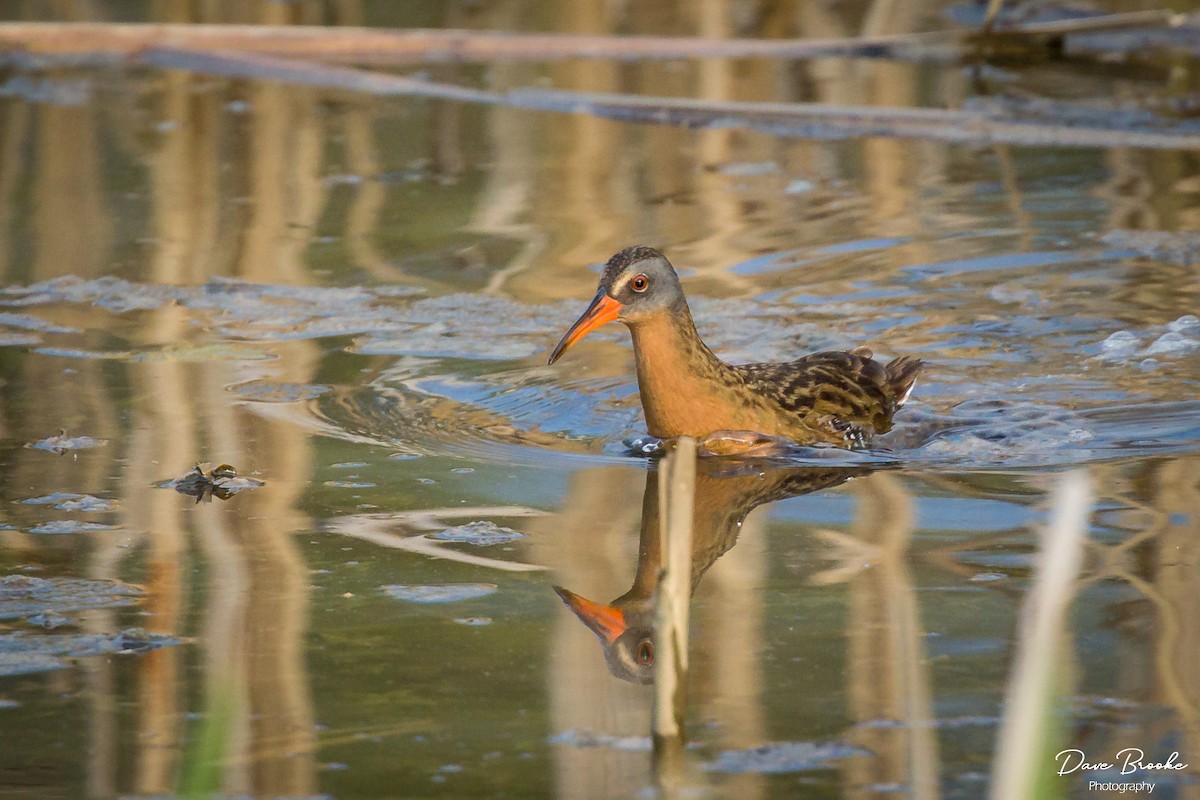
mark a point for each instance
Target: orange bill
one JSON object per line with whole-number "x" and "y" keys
{"x": 607, "y": 622}
{"x": 603, "y": 310}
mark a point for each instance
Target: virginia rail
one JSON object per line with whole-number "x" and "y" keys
{"x": 839, "y": 398}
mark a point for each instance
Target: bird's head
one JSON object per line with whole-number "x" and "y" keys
{"x": 638, "y": 283}
{"x": 627, "y": 639}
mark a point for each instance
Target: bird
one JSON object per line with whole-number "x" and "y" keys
{"x": 724, "y": 495}
{"x": 839, "y": 398}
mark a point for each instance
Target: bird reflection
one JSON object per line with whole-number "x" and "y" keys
{"x": 726, "y": 492}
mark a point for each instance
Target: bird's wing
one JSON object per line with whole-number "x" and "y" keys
{"x": 848, "y": 393}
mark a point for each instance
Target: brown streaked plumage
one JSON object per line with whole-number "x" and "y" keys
{"x": 840, "y": 398}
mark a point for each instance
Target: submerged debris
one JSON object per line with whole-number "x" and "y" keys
{"x": 62, "y": 443}
{"x": 223, "y": 482}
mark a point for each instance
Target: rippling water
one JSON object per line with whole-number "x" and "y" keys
{"x": 351, "y": 300}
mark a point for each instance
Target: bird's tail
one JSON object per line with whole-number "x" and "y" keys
{"x": 902, "y": 376}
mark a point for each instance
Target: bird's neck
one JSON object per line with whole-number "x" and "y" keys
{"x": 720, "y": 506}
{"x": 678, "y": 375}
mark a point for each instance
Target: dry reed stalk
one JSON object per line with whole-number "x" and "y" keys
{"x": 676, "y": 487}
{"x": 1023, "y": 767}
{"x": 99, "y": 42}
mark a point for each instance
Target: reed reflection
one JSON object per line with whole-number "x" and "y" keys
{"x": 726, "y": 492}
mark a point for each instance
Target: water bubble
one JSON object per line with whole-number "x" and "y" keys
{"x": 1186, "y": 323}
{"x": 1121, "y": 344}
{"x": 1172, "y": 343}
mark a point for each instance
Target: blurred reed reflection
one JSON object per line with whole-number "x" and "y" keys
{"x": 230, "y": 572}
{"x": 888, "y": 670}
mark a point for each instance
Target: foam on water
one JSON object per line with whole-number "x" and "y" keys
{"x": 482, "y": 533}
{"x": 59, "y": 526}
{"x": 25, "y": 652}
{"x": 439, "y": 592}
{"x": 70, "y": 501}
{"x": 783, "y": 757}
{"x": 586, "y": 739}
{"x": 62, "y": 443}
{"x": 1180, "y": 247}
{"x": 25, "y": 596}
{"x": 1175, "y": 339}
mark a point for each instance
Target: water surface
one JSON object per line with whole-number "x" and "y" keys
{"x": 352, "y": 299}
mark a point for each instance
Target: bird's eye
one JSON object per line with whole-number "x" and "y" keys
{"x": 645, "y": 653}
{"x": 640, "y": 282}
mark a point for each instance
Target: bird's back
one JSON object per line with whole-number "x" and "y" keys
{"x": 845, "y": 396}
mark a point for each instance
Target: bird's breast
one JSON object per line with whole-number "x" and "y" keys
{"x": 686, "y": 394}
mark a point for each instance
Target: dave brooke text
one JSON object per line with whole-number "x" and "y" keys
{"x": 1129, "y": 760}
